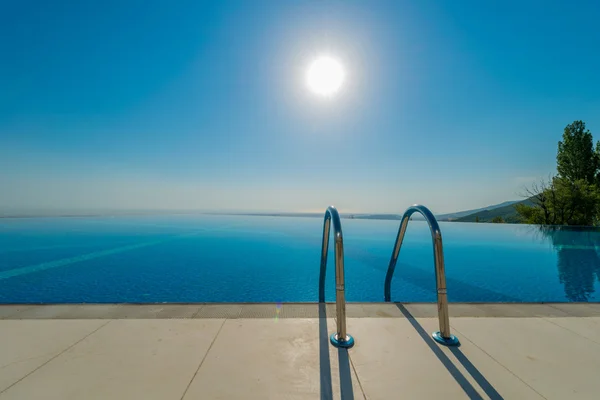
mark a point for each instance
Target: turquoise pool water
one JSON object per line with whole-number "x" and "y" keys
{"x": 276, "y": 259}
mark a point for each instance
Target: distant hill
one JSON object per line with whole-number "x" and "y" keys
{"x": 459, "y": 214}
{"x": 374, "y": 216}
{"x": 455, "y": 216}
{"x": 508, "y": 213}
{"x": 506, "y": 210}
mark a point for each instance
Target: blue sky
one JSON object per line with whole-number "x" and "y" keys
{"x": 203, "y": 105}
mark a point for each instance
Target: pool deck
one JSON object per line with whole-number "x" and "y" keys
{"x": 269, "y": 351}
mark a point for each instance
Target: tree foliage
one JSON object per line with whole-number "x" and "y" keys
{"x": 573, "y": 196}
{"x": 561, "y": 202}
{"x": 498, "y": 220}
{"x": 576, "y": 158}
{"x": 598, "y": 160}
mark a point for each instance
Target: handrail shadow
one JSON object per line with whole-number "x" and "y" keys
{"x": 346, "y": 389}
{"x": 479, "y": 378}
{"x": 469, "y": 390}
{"x": 324, "y": 363}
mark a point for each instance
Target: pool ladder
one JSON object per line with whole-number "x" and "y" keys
{"x": 341, "y": 338}
{"x": 442, "y": 336}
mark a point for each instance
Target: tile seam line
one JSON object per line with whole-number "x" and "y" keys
{"x": 357, "y": 377}
{"x": 499, "y": 363}
{"x": 569, "y": 330}
{"x": 198, "y": 312}
{"x": 566, "y": 312}
{"x": 203, "y": 359}
{"x": 11, "y": 315}
{"x": 352, "y": 364}
{"x": 57, "y": 355}
{"x": 569, "y": 313}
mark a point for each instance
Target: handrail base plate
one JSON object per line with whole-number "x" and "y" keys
{"x": 344, "y": 344}
{"x": 451, "y": 341}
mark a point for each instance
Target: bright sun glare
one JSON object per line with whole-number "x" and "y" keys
{"x": 325, "y": 76}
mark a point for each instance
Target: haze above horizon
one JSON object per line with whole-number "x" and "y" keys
{"x": 205, "y": 105}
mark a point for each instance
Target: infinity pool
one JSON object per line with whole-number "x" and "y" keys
{"x": 276, "y": 259}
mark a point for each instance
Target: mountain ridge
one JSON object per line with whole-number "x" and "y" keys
{"x": 461, "y": 214}
{"x": 508, "y": 213}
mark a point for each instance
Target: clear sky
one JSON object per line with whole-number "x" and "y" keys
{"x": 204, "y": 105}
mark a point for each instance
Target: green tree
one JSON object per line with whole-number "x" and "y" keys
{"x": 598, "y": 160}
{"x": 539, "y": 212}
{"x": 576, "y": 158}
{"x": 498, "y": 220}
{"x": 562, "y": 202}
{"x": 572, "y": 197}
{"x": 476, "y": 218}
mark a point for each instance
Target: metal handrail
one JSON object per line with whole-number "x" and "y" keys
{"x": 443, "y": 336}
{"x": 341, "y": 338}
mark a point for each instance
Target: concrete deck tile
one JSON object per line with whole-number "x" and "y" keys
{"x": 355, "y": 310}
{"x": 26, "y": 345}
{"x": 379, "y": 310}
{"x": 579, "y": 309}
{"x": 595, "y": 307}
{"x": 126, "y": 359}
{"x": 299, "y": 310}
{"x": 555, "y": 362}
{"x": 587, "y": 327}
{"x": 8, "y": 310}
{"x": 548, "y": 350}
{"x": 219, "y": 311}
{"x": 178, "y": 310}
{"x": 275, "y": 359}
{"x": 331, "y": 310}
{"x": 391, "y": 356}
{"x": 150, "y": 311}
{"x": 268, "y": 311}
{"x": 291, "y": 310}
{"x": 305, "y": 310}
{"x": 429, "y": 310}
{"x": 510, "y": 310}
{"x": 490, "y": 378}
{"x": 69, "y": 311}
{"x": 462, "y": 310}
{"x": 50, "y": 311}
{"x": 85, "y": 311}
{"x": 424, "y": 310}
{"x": 372, "y": 310}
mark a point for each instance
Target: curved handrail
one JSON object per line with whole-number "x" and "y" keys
{"x": 443, "y": 336}
{"x": 341, "y": 338}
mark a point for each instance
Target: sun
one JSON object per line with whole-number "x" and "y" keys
{"x": 325, "y": 76}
